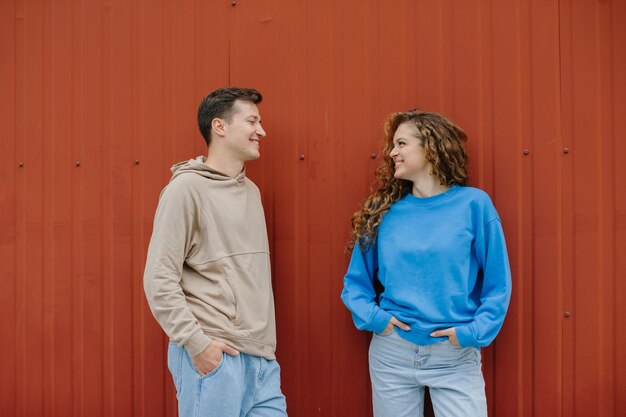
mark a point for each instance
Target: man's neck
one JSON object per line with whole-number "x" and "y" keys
{"x": 228, "y": 166}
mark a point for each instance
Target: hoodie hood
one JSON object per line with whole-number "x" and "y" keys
{"x": 198, "y": 166}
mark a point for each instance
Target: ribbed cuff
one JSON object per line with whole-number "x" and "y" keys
{"x": 197, "y": 343}
{"x": 465, "y": 335}
{"x": 380, "y": 320}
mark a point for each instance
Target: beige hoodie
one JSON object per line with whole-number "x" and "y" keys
{"x": 208, "y": 268}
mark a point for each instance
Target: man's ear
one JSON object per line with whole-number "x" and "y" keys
{"x": 219, "y": 126}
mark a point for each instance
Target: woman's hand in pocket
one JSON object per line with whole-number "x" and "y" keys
{"x": 449, "y": 333}
{"x": 394, "y": 322}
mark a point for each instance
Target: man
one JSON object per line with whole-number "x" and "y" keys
{"x": 207, "y": 277}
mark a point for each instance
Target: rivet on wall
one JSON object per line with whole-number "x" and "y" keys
{"x": 21, "y": 164}
{"x": 136, "y": 161}
{"x": 526, "y": 151}
{"x": 565, "y": 150}
{"x": 301, "y": 157}
{"x": 77, "y": 163}
{"x": 373, "y": 155}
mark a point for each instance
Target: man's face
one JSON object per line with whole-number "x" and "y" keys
{"x": 244, "y": 131}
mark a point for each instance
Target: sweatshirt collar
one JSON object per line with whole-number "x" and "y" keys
{"x": 434, "y": 200}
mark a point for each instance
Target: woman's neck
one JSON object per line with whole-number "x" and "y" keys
{"x": 428, "y": 187}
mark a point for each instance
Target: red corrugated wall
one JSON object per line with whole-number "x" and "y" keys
{"x": 98, "y": 99}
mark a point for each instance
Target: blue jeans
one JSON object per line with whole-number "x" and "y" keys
{"x": 240, "y": 386}
{"x": 400, "y": 370}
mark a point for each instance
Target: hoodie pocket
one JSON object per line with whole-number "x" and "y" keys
{"x": 248, "y": 276}
{"x": 210, "y": 295}
{"x": 235, "y": 317}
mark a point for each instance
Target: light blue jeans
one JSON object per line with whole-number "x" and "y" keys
{"x": 240, "y": 386}
{"x": 400, "y": 370}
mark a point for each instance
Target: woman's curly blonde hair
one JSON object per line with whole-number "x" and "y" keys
{"x": 444, "y": 143}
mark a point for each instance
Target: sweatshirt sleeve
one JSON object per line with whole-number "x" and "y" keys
{"x": 172, "y": 239}
{"x": 491, "y": 254}
{"x": 358, "y": 291}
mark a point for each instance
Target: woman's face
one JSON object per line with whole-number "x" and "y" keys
{"x": 408, "y": 154}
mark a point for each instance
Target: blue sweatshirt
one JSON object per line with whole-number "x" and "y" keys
{"x": 443, "y": 263}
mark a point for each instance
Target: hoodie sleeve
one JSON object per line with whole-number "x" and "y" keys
{"x": 172, "y": 239}
{"x": 358, "y": 291}
{"x": 490, "y": 251}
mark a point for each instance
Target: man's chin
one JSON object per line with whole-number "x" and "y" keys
{"x": 253, "y": 157}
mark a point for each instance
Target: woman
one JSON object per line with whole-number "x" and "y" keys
{"x": 437, "y": 248}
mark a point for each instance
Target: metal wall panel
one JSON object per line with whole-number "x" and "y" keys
{"x": 99, "y": 99}
{"x": 594, "y": 202}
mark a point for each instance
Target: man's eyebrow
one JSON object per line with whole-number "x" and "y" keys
{"x": 254, "y": 117}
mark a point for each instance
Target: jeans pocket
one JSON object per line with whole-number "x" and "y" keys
{"x": 214, "y": 371}
{"x": 175, "y": 364}
{"x": 450, "y": 343}
{"x": 393, "y": 330}
{"x": 478, "y": 356}
{"x": 445, "y": 354}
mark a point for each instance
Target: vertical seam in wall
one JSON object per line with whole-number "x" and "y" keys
{"x": 614, "y": 208}
{"x": 525, "y": 33}
{"x": 71, "y": 189}
{"x": 613, "y": 269}
{"x": 101, "y": 161}
{"x": 164, "y": 133}
{"x": 41, "y": 219}
{"x": 72, "y": 244}
{"x": 47, "y": 337}
{"x": 16, "y": 180}
{"x": 134, "y": 224}
{"x": 561, "y": 200}
{"x": 601, "y": 198}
